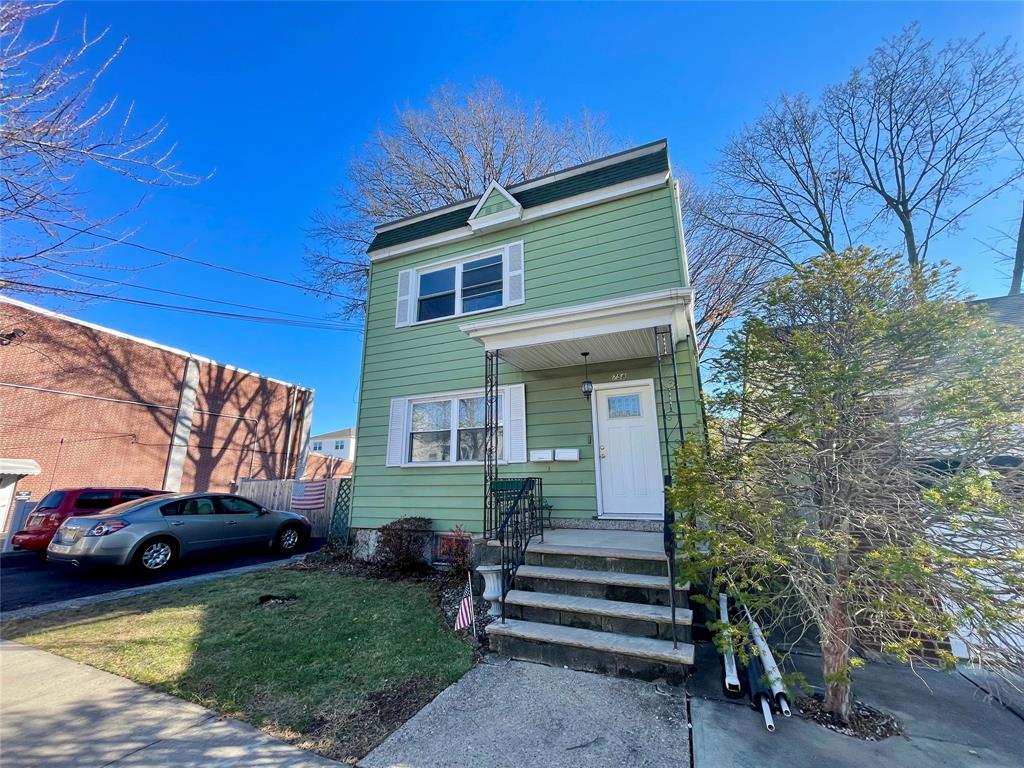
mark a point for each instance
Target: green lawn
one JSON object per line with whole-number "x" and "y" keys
{"x": 333, "y": 671}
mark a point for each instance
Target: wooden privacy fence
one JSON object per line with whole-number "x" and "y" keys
{"x": 277, "y": 494}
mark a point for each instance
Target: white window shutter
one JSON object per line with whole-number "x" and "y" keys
{"x": 396, "y": 433}
{"x": 403, "y": 313}
{"x": 517, "y": 424}
{"x": 515, "y": 287}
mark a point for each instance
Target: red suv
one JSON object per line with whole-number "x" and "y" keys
{"x": 57, "y": 506}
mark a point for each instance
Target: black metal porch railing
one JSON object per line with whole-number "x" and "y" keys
{"x": 671, "y": 409}
{"x": 518, "y": 504}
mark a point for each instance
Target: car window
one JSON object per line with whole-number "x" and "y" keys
{"x": 198, "y": 507}
{"x": 52, "y": 500}
{"x": 232, "y": 505}
{"x": 94, "y": 500}
{"x": 201, "y": 506}
{"x": 133, "y": 495}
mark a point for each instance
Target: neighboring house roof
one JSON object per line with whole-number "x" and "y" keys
{"x": 1004, "y": 309}
{"x": 347, "y": 432}
{"x": 635, "y": 163}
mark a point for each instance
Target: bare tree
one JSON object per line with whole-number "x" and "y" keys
{"x": 922, "y": 126}
{"x": 729, "y": 263}
{"x": 786, "y": 173}
{"x": 52, "y": 128}
{"x": 431, "y": 157}
{"x": 919, "y": 136}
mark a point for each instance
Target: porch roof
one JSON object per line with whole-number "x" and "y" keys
{"x": 616, "y": 329}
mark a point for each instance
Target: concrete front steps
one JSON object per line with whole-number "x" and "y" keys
{"x": 596, "y": 602}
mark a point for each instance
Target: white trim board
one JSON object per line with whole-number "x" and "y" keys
{"x": 665, "y": 307}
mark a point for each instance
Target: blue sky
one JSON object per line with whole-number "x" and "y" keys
{"x": 277, "y": 97}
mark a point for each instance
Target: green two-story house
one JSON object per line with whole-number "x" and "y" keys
{"x": 590, "y": 260}
{"x": 529, "y": 360}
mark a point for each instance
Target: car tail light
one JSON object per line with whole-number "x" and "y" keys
{"x": 106, "y": 527}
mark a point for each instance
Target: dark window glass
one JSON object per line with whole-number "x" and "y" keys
{"x": 481, "y": 284}
{"x": 437, "y": 294}
{"x": 441, "y": 281}
{"x": 438, "y": 306}
{"x": 132, "y": 495}
{"x": 52, "y": 500}
{"x": 171, "y": 508}
{"x": 230, "y": 505}
{"x": 94, "y": 500}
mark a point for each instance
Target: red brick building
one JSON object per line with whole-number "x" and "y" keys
{"x": 94, "y": 406}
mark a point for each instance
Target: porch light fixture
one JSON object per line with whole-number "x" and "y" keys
{"x": 587, "y": 386}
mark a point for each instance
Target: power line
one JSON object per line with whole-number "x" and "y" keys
{"x": 170, "y": 255}
{"x": 180, "y": 295}
{"x": 327, "y": 326}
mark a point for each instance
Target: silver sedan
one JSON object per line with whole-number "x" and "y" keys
{"x": 152, "y": 533}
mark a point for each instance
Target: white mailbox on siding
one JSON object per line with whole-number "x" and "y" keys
{"x": 542, "y": 455}
{"x": 567, "y": 454}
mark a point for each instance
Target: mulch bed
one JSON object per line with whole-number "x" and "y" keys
{"x": 867, "y": 723}
{"x": 356, "y": 734}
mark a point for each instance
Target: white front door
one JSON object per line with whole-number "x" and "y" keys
{"x": 630, "y": 483}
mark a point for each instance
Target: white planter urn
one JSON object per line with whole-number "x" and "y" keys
{"x": 492, "y": 587}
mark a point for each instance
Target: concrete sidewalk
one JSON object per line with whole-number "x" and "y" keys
{"x": 949, "y": 722}
{"x": 55, "y": 712}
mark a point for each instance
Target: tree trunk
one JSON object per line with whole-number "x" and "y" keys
{"x": 835, "y": 662}
{"x": 1018, "y": 260}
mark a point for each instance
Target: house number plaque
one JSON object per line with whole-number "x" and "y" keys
{"x": 620, "y": 376}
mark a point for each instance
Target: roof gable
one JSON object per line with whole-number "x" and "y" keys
{"x": 497, "y": 208}
{"x": 589, "y": 177}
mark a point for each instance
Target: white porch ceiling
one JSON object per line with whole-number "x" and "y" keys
{"x": 605, "y": 348}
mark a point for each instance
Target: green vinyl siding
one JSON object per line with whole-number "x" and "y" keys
{"x": 616, "y": 249}
{"x": 494, "y": 203}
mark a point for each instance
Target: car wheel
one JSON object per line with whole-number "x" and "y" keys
{"x": 288, "y": 539}
{"x": 153, "y": 556}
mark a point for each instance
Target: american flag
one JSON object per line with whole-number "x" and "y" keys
{"x": 466, "y": 616}
{"x": 309, "y": 495}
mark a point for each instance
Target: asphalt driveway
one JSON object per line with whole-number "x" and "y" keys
{"x": 27, "y": 580}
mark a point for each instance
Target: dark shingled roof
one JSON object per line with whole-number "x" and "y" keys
{"x": 1004, "y": 309}
{"x": 588, "y": 181}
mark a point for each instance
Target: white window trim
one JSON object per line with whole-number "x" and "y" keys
{"x": 458, "y": 262}
{"x": 454, "y": 427}
{"x": 317, "y": 445}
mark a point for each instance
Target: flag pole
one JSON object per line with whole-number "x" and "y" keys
{"x": 472, "y": 605}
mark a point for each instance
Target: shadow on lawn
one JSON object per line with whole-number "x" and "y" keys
{"x": 333, "y": 670}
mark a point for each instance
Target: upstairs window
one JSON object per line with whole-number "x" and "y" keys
{"x": 491, "y": 279}
{"x": 317, "y": 445}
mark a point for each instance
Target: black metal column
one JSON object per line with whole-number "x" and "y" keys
{"x": 491, "y": 521}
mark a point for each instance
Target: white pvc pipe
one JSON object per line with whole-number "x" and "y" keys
{"x": 766, "y": 710}
{"x": 771, "y": 669}
{"x": 732, "y": 678}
